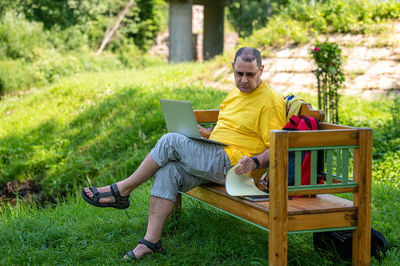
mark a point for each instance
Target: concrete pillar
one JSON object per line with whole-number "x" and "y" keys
{"x": 213, "y": 40}
{"x": 180, "y": 31}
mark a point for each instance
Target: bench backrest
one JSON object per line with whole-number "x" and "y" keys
{"x": 341, "y": 154}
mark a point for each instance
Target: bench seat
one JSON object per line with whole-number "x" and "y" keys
{"x": 324, "y": 207}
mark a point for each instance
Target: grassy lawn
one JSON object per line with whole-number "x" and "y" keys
{"x": 95, "y": 128}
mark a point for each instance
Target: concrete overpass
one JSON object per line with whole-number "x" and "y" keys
{"x": 180, "y": 28}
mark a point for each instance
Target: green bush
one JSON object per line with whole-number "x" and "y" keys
{"x": 17, "y": 75}
{"x": 132, "y": 57}
{"x": 90, "y": 19}
{"x": 49, "y": 66}
{"x": 299, "y": 20}
{"x": 278, "y": 32}
{"x": 19, "y": 37}
{"x": 342, "y": 15}
{"x": 246, "y": 16}
{"x": 330, "y": 76}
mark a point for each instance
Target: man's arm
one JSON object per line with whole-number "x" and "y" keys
{"x": 205, "y": 132}
{"x": 247, "y": 164}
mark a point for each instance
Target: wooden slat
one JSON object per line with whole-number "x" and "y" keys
{"x": 345, "y": 166}
{"x": 339, "y": 162}
{"x": 306, "y": 205}
{"x": 313, "y": 174}
{"x": 236, "y": 206}
{"x": 322, "y": 220}
{"x": 204, "y": 116}
{"x": 327, "y": 126}
{"x": 297, "y": 169}
{"x": 306, "y": 109}
{"x": 278, "y": 213}
{"x": 362, "y": 199}
{"x": 329, "y": 168}
{"x": 322, "y": 138}
{"x": 211, "y": 116}
{"x": 322, "y": 191}
{"x": 321, "y": 203}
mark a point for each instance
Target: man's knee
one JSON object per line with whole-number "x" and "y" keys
{"x": 170, "y": 138}
{"x": 166, "y": 182}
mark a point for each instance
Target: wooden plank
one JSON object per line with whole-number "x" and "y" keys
{"x": 321, "y": 203}
{"x": 322, "y": 191}
{"x": 204, "y": 116}
{"x": 339, "y": 162}
{"x": 297, "y": 169}
{"x": 306, "y": 109}
{"x": 323, "y": 138}
{"x": 345, "y": 166}
{"x": 329, "y": 168}
{"x": 326, "y": 126}
{"x": 318, "y": 204}
{"x": 234, "y": 206}
{"x": 322, "y": 220}
{"x": 362, "y": 199}
{"x": 313, "y": 174}
{"x": 278, "y": 213}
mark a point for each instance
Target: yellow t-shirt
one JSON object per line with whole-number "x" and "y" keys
{"x": 245, "y": 119}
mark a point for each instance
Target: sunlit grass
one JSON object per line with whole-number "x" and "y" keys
{"x": 96, "y": 128}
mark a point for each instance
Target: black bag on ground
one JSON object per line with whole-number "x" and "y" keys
{"x": 342, "y": 242}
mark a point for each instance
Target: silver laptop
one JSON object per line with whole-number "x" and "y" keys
{"x": 180, "y": 118}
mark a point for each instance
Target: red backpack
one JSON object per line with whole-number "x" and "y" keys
{"x": 301, "y": 122}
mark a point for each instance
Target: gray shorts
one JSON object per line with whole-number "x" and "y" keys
{"x": 186, "y": 163}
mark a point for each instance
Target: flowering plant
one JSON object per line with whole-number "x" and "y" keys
{"x": 330, "y": 76}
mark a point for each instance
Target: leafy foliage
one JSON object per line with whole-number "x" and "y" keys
{"x": 90, "y": 18}
{"x": 249, "y": 15}
{"x": 330, "y": 76}
{"x": 19, "y": 38}
{"x": 298, "y": 20}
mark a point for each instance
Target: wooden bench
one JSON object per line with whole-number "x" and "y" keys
{"x": 346, "y": 163}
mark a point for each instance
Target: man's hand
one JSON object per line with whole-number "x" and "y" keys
{"x": 204, "y": 132}
{"x": 246, "y": 165}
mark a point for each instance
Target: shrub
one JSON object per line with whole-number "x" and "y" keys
{"x": 16, "y": 75}
{"x": 342, "y": 15}
{"x": 330, "y": 76}
{"x": 132, "y": 57}
{"x": 247, "y": 16}
{"x": 19, "y": 37}
{"x": 278, "y": 32}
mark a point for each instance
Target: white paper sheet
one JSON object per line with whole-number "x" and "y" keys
{"x": 241, "y": 185}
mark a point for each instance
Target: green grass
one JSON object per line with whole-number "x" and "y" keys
{"x": 91, "y": 127}
{"x": 96, "y": 128}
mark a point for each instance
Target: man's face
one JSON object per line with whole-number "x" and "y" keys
{"x": 247, "y": 75}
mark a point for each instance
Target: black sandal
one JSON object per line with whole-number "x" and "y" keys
{"x": 120, "y": 202}
{"x": 155, "y": 248}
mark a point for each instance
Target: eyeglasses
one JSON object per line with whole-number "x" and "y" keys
{"x": 249, "y": 75}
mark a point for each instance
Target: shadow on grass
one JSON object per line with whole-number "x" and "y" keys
{"x": 103, "y": 143}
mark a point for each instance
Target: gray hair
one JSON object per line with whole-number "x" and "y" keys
{"x": 248, "y": 54}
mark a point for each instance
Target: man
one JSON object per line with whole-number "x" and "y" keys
{"x": 246, "y": 116}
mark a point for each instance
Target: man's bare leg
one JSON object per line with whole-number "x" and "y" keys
{"x": 159, "y": 211}
{"x": 143, "y": 173}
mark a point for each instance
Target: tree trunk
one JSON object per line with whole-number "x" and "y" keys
{"x": 108, "y": 33}
{"x": 269, "y": 9}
